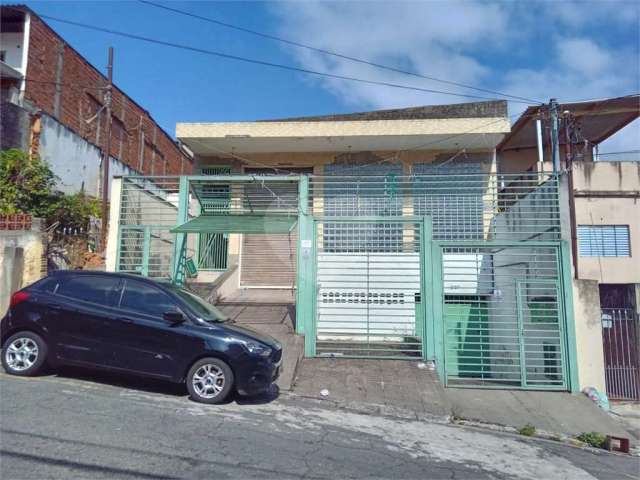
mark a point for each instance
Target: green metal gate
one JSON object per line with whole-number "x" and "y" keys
{"x": 370, "y": 284}
{"x": 504, "y": 324}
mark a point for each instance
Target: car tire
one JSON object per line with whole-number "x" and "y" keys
{"x": 210, "y": 380}
{"x": 24, "y": 354}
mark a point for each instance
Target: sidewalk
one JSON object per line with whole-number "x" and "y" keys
{"x": 628, "y": 414}
{"x": 385, "y": 387}
{"x": 400, "y": 388}
{"x": 553, "y": 412}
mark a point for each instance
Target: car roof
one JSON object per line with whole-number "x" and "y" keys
{"x": 58, "y": 273}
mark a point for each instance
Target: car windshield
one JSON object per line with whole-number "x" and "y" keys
{"x": 205, "y": 311}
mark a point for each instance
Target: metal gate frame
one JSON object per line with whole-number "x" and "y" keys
{"x": 620, "y": 337}
{"x": 427, "y": 324}
{"x": 565, "y": 305}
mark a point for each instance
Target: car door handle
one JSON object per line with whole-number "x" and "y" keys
{"x": 125, "y": 320}
{"x": 54, "y": 306}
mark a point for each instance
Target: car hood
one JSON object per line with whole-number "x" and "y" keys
{"x": 248, "y": 332}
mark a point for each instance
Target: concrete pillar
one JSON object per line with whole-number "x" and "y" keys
{"x": 111, "y": 252}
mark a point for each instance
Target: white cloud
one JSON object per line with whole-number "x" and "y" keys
{"x": 583, "y": 56}
{"x": 469, "y": 42}
{"x": 583, "y": 13}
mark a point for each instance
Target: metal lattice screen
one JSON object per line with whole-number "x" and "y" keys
{"x": 148, "y": 210}
{"x": 463, "y": 206}
{"x": 503, "y": 316}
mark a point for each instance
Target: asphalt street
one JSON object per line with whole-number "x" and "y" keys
{"x": 73, "y": 426}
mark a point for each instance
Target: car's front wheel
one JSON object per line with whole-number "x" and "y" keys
{"x": 209, "y": 380}
{"x": 24, "y": 354}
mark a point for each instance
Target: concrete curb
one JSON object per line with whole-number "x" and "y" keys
{"x": 404, "y": 414}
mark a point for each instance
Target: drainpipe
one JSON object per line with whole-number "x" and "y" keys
{"x": 540, "y": 149}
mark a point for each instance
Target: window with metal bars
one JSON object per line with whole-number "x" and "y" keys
{"x": 604, "y": 241}
{"x": 213, "y": 248}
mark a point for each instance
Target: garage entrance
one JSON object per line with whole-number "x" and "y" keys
{"x": 370, "y": 284}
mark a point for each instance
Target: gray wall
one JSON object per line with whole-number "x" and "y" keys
{"x": 14, "y": 126}
{"x": 75, "y": 161}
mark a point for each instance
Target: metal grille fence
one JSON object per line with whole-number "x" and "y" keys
{"x": 462, "y": 206}
{"x": 503, "y": 317}
{"x": 148, "y": 210}
{"x": 621, "y": 353}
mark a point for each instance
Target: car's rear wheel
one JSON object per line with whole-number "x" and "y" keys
{"x": 209, "y": 380}
{"x": 24, "y": 354}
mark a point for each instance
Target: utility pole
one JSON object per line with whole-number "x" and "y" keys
{"x": 555, "y": 139}
{"x": 107, "y": 154}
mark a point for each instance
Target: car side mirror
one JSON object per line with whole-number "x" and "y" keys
{"x": 173, "y": 317}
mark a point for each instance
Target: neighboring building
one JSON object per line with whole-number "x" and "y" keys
{"x": 602, "y": 205}
{"x": 52, "y": 102}
{"x": 391, "y": 231}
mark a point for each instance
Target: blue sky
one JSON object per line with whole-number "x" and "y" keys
{"x": 570, "y": 50}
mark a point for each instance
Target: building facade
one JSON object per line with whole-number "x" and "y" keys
{"x": 393, "y": 230}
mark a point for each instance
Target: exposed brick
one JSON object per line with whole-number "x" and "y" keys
{"x": 82, "y": 97}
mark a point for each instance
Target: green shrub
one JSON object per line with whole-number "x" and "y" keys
{"x": 528, "y": 430}
{"x": 595, "y": 439}
{"x": 27, "y": 185}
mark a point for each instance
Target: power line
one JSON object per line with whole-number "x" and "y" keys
{"x": 263, "y": 62}
{"x": 333, "y": 53}
{"x": 617, "y": 153}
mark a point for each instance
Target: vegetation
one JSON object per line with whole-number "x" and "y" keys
{"x": 595, "y": 439}
{"x": 27, "y": 185}
{"x": 528, "y": 430}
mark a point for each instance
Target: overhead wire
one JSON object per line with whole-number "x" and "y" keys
{"x": 333, "y": 53}
{"x": 267, "y": 63}
{"x": 617, "y": 153}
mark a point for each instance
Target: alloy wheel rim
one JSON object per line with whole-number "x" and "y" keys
{"x": 208, "y": 381}
{"x": 21, "y": 354}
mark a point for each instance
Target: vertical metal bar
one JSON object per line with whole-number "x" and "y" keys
{"x": 181, "y": 238}
{"x": 569, "y": 318}
{"x": 146, "y": 248}
{"x": 561, "y": 329}
{"x": 519, "y": 312}
{"x": 304, "y": 275}
{"x": 438, "y": 329}
{"x": 118, "y": 249}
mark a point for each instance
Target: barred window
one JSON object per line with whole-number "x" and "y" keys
{"x": 604, "y": 241}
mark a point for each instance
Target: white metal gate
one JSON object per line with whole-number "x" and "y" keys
{"x": 369, "y": 284}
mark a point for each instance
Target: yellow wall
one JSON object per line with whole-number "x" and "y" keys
{"x": 598, "y": 179}
{"x": 317, "y": 160}
{"x": 586, "y": 306}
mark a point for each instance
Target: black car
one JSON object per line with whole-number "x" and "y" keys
{"x": 135, "y": 325}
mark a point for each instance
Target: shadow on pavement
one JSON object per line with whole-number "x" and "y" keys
{"x": 151, "y": 385}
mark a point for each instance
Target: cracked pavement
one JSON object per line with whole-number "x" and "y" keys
{"x": 79, "y": 425}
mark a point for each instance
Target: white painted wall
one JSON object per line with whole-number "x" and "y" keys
{"x": 12, "y": 43}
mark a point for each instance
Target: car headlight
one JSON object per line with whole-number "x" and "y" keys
{"x": 256, "y": 349}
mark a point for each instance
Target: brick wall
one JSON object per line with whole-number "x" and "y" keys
{"x": 136, "y": 139}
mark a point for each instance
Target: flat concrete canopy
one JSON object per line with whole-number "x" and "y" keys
{"x": 238, "y": 224}
{"x": 343, "y": 135}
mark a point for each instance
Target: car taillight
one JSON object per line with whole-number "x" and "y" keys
{"x": 19, "y": 297}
